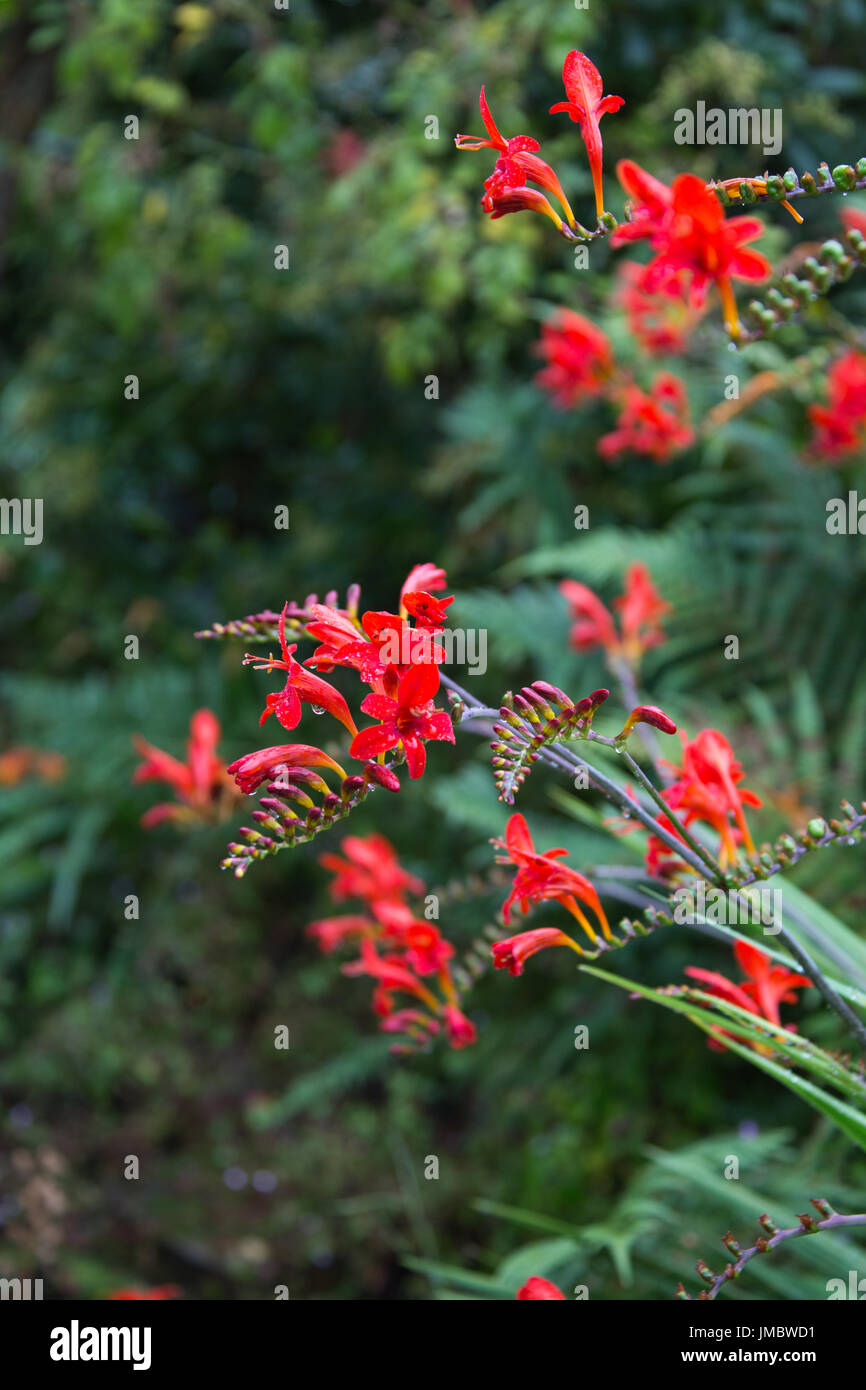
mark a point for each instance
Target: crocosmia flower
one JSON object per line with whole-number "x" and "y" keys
{"x": 586, "y": 105}
{"x": 407, "y": 718}
{"x": 707, "y": 789}
{"x": 693, "y": 240}
{"x": 540, "y": 878}
{"x": 840, "y": 426}
{"x": 517, "y": 166}
{"x": 640, "y": 610}
{"x": 201, "y": 787}
{"x": 538, "y": 1288}
{"x": 300, "y": 685}
{"x": 652, "y": 423}
{"x": 765, "y": 987}
{"x": 578, "y": 357}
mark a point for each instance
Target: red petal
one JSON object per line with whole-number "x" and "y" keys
{"x": 416, "y": 755}
{"x": 582, "y": 80}
{"x": 751, "y": 961}
{"x": 369, "y": 743}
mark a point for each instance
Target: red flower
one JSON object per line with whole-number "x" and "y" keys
{"x": 407, "y": 718}
{"x": 300, "y": 685}
{"x": 640, "y": 610}
{"x": 766, "y": 986}
{"x": 707, "y": 789}
{"x": 506, "y": 187}
{"x": 333, "y": 932}
{"x": 285, "y": 762}
{"x": 661, "y": 321}
{"x": 512, "y": 953}
{"x": 540, "y": 879}
{"x": 370, "y": 871}
{"x": 426, "y": 576}
{"x": 839, "y": 426}
{"x": 537, "y": 1288}
{"x": 586, "y": 105}
{"x": 199, "y": 784}
{"x": 162, "y": 1291}
{"x": 461, "y": 1032}
{"x": 578, "y": 356}
{"x": 688, "y": 230}
{"x": 653, "y": 423}
{"x": 392, "y": 974}
{"x": 428, "y": 612}
{"x": 427, "y": 951}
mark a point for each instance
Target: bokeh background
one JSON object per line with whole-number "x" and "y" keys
{"x": 306, "y": 388}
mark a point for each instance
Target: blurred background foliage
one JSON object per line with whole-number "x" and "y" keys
{"x": 305, "y": 388}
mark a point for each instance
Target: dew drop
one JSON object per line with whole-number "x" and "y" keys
{"x": 317, "y": 709}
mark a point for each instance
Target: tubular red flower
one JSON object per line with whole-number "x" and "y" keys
{"x": 517, "y": 162}
{"x": 578, "y": 356}
{"x": 692, "y": 238}
{"x": 538, "y": 1288}
{"x": 512, "y": 953}
{"x": 654, "y": 423}
{"x": 586, "y": 105}
{"x": 840, "y": 426}
{"x": 766, "y": 987}
{"x": 300, "y": 686}
{"x": 461, "y": 1032}
{"x": 199, "y": 784}
{"x": 540, "y": 879}
{"x": 641, "y": 609}
{"x": 369, "y": 869}
{"x": 407, "y": 719}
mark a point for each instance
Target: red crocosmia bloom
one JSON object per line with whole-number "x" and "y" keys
{"x": 540, "y": 879}
{"x": 840, "y": 426}
{"x": 284, "y": 760}
{"x": 586, "y": 105}
{"x": 162, "y": 1291}
{"x": 687, "y": 228}
{"x": 517, "y": 162}
{"x": 766, "y": 987}
{"x": 392, "y": 974}
{"x": 578, "y": 356}
{"x": 640, "y": 608}
{"x": 538, "y": 1288}
{"x": 427, "y": 951}
{"x": 706, "y": 789}
{"x": 594, "y": 625}
{"x": 428, "y": 612}
{"x": 300, "y": 685}
{"x": 370, "y": 870}
{"x": 333, "y": 932}
{"x": 410, "y": 1021}
{"x": 199, "y": 784}
{"x": 653, "y": 423}
{"x": 513, "y": 952}
{"x": 425, "y": 578}
{"x": 461, "y": 1032}
{"x": 661, "y": 321}
{"x": 407, "y": 718}
{"x": 709, "y": 759}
